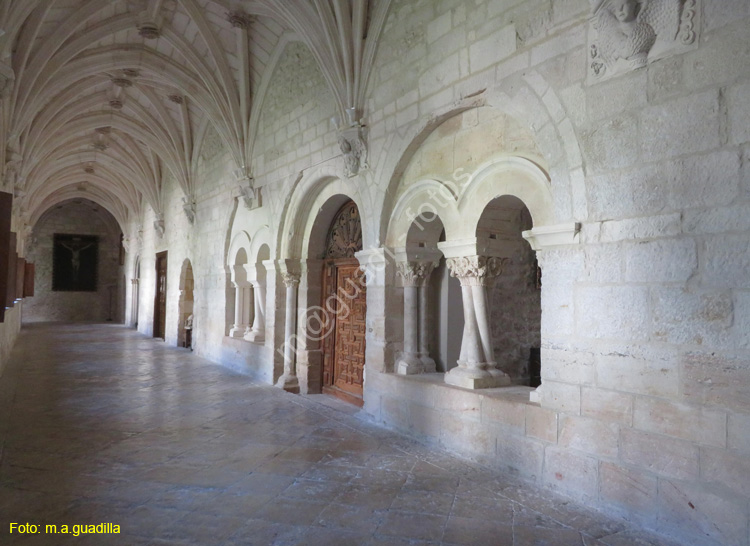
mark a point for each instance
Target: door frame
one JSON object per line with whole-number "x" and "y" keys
{"x": 157, "y": 309}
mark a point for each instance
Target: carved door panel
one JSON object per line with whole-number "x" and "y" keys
{"x": 345, "y": 301}
{"x": 160, "y": 299}
{"x": 349, "y": 363}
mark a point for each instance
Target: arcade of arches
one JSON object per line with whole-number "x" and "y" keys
{"x": 484, "y": 223}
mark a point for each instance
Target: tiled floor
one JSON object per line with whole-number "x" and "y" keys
{"x": 101, "y": 424}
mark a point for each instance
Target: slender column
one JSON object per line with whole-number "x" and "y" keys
{"x": 424, "y": 339}
{"x": 238, "y": 329}
{"x": 247, "y": 308}
{"x": 288, "y": 381}
{"x": 414, "y": 275}
{"x": 134, "y": 302}
{"x": 476, "y": 365}
{"x": 257, "y": 333}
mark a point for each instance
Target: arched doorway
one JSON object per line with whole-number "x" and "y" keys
{"x": 185, "y": 306}
{"x": 135, "y": 293}
{"x": 345, "y": 301}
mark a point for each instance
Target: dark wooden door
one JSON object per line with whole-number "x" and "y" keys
{"x": 345, "y": 300}
{"x": 160, "y": 299}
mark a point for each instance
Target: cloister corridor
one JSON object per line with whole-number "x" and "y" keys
{"x": 101, "y": 424}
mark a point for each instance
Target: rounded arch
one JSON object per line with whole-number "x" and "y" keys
{"x": 423, "y": 198}
{"x": 260, "y": 239}
{"x": 186, "y": 275}
{"x": 514, "y": 176}
{"x": 520, "y": 97}
{"x": 327, "y": 189}
{"x": 240, "y": 242}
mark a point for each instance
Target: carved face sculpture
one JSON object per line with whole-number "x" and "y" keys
{"x": 625, "y": 11}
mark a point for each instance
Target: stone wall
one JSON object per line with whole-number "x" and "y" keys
{"x": 80, "y": 218}
{"x": 9, "y": 329}
{"x": 644, "y": 407}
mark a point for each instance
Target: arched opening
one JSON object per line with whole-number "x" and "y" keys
{"x": 343, "y": 301}
{"x": 243, "y": 307}
{"x": 514, "y": 297}
{"x": 431, "y": 326}
{"x": 257, "y": 331}
{"x": 135, "y": 293}
{"x": 185, "y": 306}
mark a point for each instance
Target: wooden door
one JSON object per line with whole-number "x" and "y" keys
{"x": 345, "y": 300}
{"x": 160, "y": 299}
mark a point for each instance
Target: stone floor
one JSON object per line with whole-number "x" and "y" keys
{"x": 101, "y": 424}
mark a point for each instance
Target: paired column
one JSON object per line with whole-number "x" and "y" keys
{"x": 288, "y": 381}
{"x": 256, "y": 333}
{"x": 415, "y": 358}
{"x": 476, "y": 364}
{"x": 241, "y": 310}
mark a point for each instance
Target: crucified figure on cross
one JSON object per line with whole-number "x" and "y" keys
{"x": 75, "y": 260}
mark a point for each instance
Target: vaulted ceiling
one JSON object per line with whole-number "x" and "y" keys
{"x": 102, "y": 98}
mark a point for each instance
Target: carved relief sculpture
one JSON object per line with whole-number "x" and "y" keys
{"x": 159, "y": 225}
{"x": 188, "y": 206}
{"x": 354, "y": 150}
{"x": 628, "y": 34}
{"x": 345, "y": 235}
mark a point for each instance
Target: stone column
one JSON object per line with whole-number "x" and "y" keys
{"x": 414, "y": 276}
{"x": 134, "y": 301}
{"x": 288, "y": 381}
{"x": 476, "y": 365}
{"x": 257, "y": 332}
{"x": 247, "y": 308}
{"x": 424, "y": 339}
{"x": 239, "y": 327}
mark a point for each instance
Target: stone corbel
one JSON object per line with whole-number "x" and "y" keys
{"x": 353, "y": 146}
{"x": 548, "y": 237}
{"x": 189, "y": 207}
{"x": 159, "y": 225}
{"x": 250, "y": 195}
{"x": 126, "y": 244}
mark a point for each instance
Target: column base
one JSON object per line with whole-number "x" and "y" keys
{"x": 289, "y": 383}
{"x": 476, "y": 378}
{"x": 237, "y": 332}
{"x": 428, "y": 364}
{"x": 255, "y": 336}
{"x": 409, "y": 364}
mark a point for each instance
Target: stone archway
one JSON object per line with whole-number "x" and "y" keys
{"x": 185, "y": 306}
{"x": 344, "y": 301}
{"x": 135, "y": 293}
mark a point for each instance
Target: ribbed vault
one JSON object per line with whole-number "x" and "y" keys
{"x": 102, "y": 99}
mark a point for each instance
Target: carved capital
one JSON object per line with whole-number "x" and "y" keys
{"x": 352, "y": 143}
{"x": 415, "y": 273}
{"x": 476, "y": 270}
{"x": 290, "y": 279}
